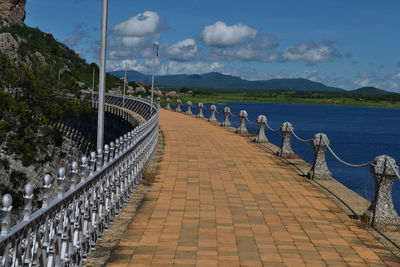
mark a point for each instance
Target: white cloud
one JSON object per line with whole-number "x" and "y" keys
{"x": 143, "y": 24}
{"x": 221, "y": 35}
{"x": 243, "y": 53}
{"x": 182, "y": 51}
{"x": 366, "y": 74}
{"x": 310, "y": 52}
{"x": 362, "y": 83}
{"x": 144, "y": 66}
{"x": 191, "y": 68}
{"x": 396, "y": 76}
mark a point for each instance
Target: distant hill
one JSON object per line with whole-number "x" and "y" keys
{"x": 369, "y": 91}
{"x": 215, "y": 80}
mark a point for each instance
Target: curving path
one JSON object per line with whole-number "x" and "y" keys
{"x": 221, "y": 200}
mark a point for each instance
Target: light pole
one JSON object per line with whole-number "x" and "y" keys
{"x": 155, "y": 53}
{"x": 94, "y": 69}
{"x": 102, "y": 75}
{"x": 123, "y": 96}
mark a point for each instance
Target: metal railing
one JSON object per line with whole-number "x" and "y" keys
{"x": 65, "y": 230}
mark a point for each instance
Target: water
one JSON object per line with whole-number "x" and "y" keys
{"x": 86, "y": 123}
{"x": 357, "y": 135}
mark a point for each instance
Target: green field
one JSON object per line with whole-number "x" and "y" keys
{"x": 284, "y": 96}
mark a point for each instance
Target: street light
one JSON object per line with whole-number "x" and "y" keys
{"x": 102, "y": 75}
{"x": 155, "y": 54}
{"x": 123, "y": 96}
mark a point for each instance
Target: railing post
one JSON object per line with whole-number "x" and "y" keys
{"x": 200, "y": 114}
{"x": 6, "y": 208}
{"x": 92, "y": 163}
{"x": 261, "y": 138}
{"x": 125, "y": 140}
{"x": 213, "y": 109}
{"x": 99, "y": 159}
{"x": 168, "y": 106}
{"x": 46, "y": 191}
{"x": 117, "y": 146}
{"x": 111, "y": 155}
{"x": 381, "y": 212}
{"x": 74, "y": 174}
{"x": 178, "y": 105}
{"x": 60, "y": 182}
{"x": 28, "y": 195}
{"x": 320, "y": 170}
{"x": 106, "y": 155}
{"x": 226, "y": 121}
{"x": 189, "y": 110}
{"x": 84, "y": 165}
{"x": 285, "y": 151}
{"x": 242, "y": 127}
{"x": 158, "y": 101}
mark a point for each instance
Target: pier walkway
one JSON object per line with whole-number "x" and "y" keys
{"x": 220, "y": 200}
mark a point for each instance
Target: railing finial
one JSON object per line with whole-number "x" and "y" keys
{"x": 6, "y": 208}
{"x": 28, "y": 195}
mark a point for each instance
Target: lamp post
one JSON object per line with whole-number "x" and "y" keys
{"x": 94, "y": 69}
{"x": 123, "y": 96}
{"x": 155, "y": 53}
{"x": 102, "y": 75}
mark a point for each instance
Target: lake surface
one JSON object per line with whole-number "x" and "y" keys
{"x": 357, "y": 135}
{"x": 87, "y": 124}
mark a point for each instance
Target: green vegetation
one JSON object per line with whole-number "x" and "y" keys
{"x": 58, "y": 58}
{"x": 291, "y": 96}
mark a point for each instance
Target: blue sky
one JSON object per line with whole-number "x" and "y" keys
{"x": 341, "y": 43}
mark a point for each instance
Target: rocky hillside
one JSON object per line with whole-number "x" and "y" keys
{"x": 12, "y": 12}
{"x": 32, "y": 99}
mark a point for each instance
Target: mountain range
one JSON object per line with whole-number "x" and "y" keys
{"x": 215, "y": 80}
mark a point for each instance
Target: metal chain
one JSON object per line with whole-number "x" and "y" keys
{"x": 346, "y": 163}
{"x": 301, "y": 140}
{"x": 271, "y": 129}
{"x": 250, "y": 121}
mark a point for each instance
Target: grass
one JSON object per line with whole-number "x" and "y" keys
{"x": 294, "y": 97}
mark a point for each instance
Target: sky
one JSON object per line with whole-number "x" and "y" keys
{"x": 343, "y": 43}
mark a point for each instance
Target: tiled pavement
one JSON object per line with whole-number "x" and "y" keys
{"x": 222, "y": 201}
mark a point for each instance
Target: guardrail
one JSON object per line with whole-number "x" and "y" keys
{"x": 65, "y": 230}
{"x": 381, "y": 213}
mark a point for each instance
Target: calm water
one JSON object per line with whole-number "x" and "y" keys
{"x": 87, "y": 125}
{"x": 357, "y": 135}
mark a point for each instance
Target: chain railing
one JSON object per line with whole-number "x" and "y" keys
{"x": 383, "y": 168}
{"x": 64, "y": 231}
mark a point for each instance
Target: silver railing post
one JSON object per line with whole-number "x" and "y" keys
{"x": 6, "y": 208}
{"x": 168, "y": 106}
{"x": 46, "y": 190}
{"x": 28, "y": 195}
{"x": 60, "y": 182}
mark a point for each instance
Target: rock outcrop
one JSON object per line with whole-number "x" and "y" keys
{"x": 12, "y": 11}
{"x": 8, "y": 45}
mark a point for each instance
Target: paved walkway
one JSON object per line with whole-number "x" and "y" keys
{"x": 221, "y": 200}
